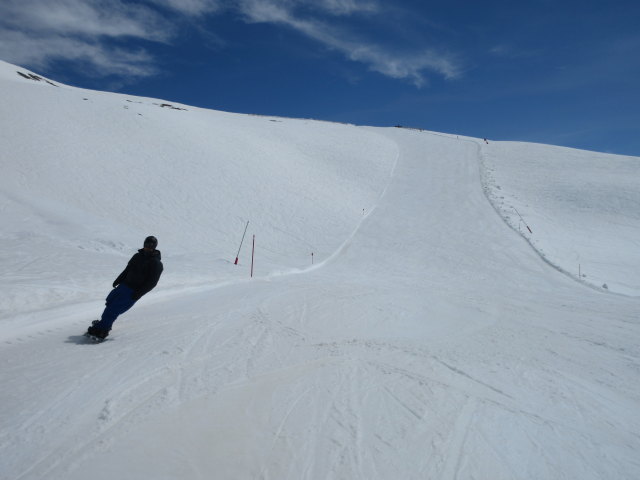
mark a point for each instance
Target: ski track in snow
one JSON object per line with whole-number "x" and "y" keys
{"x": 431, "y": 342}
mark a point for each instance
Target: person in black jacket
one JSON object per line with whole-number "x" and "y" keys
{"x": 139, "y": 277}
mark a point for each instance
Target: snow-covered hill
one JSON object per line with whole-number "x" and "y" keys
{"x": 433, "y": 336}
{"x": 582, "y": 209}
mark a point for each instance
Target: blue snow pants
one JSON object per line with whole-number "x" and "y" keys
{"x": 118, "y": 301}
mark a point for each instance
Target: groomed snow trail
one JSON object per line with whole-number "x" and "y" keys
{"x": 435, "y": 345}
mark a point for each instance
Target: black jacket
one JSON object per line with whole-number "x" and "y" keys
{"x": 142, "y": 273}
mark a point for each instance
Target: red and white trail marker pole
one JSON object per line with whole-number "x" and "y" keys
{"x": 253, "y": 249}
{"x": 245, "y": 232}
{"x": 525, "y": 223}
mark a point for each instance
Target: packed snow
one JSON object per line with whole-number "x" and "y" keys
{"x": 422, "y": 306}
{"x": 580, "y": 210}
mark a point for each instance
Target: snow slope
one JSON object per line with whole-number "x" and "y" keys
{"x": 429, "y": 340}
{"x": 87, "y": 172}
{"x": 583, "y": 208}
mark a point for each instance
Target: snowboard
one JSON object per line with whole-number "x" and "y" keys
{"x": 95, "y": 339}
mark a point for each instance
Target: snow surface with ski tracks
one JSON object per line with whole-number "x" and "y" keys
{"x": 430, "y": 339}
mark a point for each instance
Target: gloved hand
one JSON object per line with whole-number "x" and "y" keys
{"x": 135, "y": 296}
{"x": 115, "y": 284}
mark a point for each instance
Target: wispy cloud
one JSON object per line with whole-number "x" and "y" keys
{"x": 40, "y": 31}
{"x": 191, "y": 7}
{"x": 397, "y": 63}
{"x": 95, "y": 58}
{"x": 347, "y": 7}
{"x": 84, "y": 18}
{"x": 96, "y": 32}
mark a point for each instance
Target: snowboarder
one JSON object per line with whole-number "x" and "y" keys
{"x": 139, "y": 277}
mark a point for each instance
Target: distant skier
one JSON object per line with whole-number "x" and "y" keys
{"x": 139, "y": 277}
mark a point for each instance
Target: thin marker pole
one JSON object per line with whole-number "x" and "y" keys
{"x": 525, "y": 223}
{"x": 253, "y": 249}
{"x": 245, "y": 232}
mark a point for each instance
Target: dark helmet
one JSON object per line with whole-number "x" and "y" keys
{"x": 151, "y": 242}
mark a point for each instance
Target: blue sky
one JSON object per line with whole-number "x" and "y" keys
{"x": 557, "y": 72}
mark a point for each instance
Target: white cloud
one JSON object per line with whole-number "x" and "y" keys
{"x": 191, "y": 7}
{"x": 39, "y": 31}
{"x": 395, "y": 64}
{"x": 90, "y": 18}
{"x": 346, "y": 7}
{"x": 18, "y": 47}
{"x": 92, "y": 32}
{"x": 409, "y": 67}
{"x": 267, "y": 10}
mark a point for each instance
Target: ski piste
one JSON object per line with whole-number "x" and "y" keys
{"x": 433, "y": 343}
